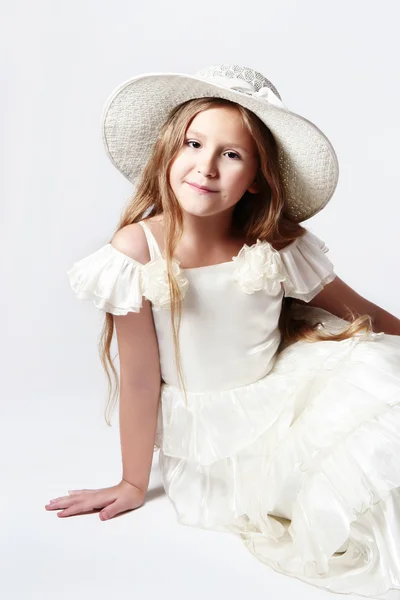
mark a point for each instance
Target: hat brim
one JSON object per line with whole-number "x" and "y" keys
{"x": 136, "y": 110}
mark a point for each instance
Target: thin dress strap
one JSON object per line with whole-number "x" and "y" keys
{"x": 154, "y": 249}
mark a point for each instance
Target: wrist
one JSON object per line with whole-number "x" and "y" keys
{"x": 134, "y": 485}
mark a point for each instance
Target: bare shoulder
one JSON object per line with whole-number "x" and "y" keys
{"x": 131, "y": 240}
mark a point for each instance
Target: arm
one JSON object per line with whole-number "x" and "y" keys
{"x": 140, "y": 378}
{"x": 140, "y": 383}
{"x": 139, "y": 374}
{"x": 339, "y": 299}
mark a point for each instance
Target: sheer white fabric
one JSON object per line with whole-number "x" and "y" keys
{"x": 298, "y": 451}
{"x": 110, "y": 279}
{"x": 308, "y": 267}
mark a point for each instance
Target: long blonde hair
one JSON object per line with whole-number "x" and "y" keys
{"x": 258, "y": 216}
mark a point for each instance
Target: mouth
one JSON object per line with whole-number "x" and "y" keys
{"x": 201, "y": 188}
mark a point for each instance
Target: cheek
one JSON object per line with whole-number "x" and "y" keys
{"x": 177, "y": 169}
{"x": 238, "y": 178}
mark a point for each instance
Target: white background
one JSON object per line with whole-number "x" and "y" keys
{"x": 335, "y": 63}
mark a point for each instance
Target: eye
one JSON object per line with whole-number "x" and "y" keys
{"x": 230, "y": 152}
{"x": 191, "y": 142}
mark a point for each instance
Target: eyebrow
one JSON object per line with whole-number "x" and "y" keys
{"x": 198, "y": 134}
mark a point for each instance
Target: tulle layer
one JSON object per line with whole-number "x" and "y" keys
{"x": 308, "y": 267}
{"x": 303, "y": 463}
{"x": 110, "y": 279}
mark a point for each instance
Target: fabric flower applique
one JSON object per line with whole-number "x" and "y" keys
{"x": 155, "y": 282}
{"x": 259, "y": 267}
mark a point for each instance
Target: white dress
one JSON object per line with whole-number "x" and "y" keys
{"x": 298, "y": 453}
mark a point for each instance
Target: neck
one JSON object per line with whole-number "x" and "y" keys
{"x": 209, "y": 231}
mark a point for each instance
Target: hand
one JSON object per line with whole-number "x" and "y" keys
{"x": 113, "y": 500}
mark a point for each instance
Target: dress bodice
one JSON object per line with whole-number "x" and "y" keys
{"x": 227, "y": 338}
{"x": 229, "y": 332}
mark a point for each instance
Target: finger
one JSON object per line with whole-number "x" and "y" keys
{"x": 75, "y": 509}
{"x": 71, "y": 493}
{"x": 56, "y": 500}
{"x": 62, "y": 503}
{"x": 60, "y": 499}
{"x": 110, "y": 510}
{"x": 81, "y": 506}
{"x": 82, "y": 503}
{"x": 91, "y": 497}
{"x": 113, "y": 509}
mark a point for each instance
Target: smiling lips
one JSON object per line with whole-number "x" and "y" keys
{"x": 201, "y": 188}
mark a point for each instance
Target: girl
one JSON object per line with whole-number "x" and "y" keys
{"x": 270, "y": 422}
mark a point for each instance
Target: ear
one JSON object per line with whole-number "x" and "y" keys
{"x": 253, "y": 189}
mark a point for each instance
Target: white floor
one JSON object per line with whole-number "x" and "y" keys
{"x": 142, "y": 554}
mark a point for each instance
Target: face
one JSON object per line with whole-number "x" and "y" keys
{"x": 218, "y": 153}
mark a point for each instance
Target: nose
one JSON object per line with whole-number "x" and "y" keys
{"x": 206, "y": 166}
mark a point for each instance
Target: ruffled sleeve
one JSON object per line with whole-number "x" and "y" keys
{"x": 112, "y": 280}
{"x": 307, "y": 266}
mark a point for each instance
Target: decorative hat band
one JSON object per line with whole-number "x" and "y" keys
{"x": 240, "y": 85}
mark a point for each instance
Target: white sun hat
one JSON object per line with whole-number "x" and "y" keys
{"x": 137, "y": 109}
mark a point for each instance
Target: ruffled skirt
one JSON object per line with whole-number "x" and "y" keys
{"x": 303, "y": 464}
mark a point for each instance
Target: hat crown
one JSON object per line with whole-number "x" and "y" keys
{"x": 252, "y": 78}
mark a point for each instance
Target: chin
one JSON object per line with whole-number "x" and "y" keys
{"x": 195, "y": 208}
{"x": 199, "y": 211}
